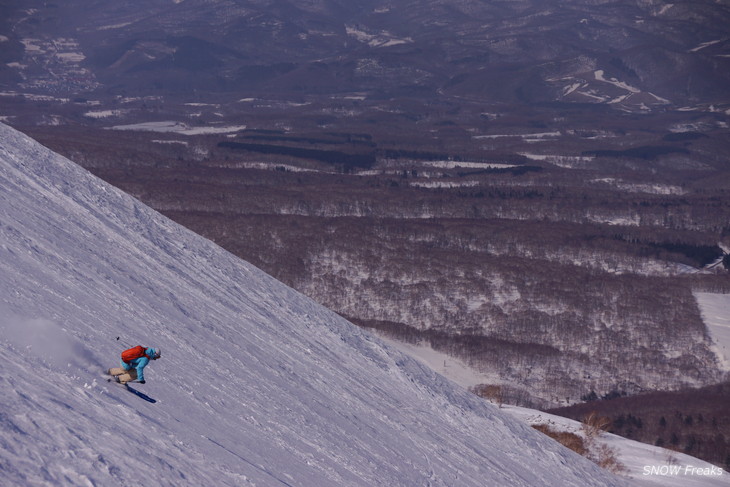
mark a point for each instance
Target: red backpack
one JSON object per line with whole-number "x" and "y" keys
{"x": 133, "y": 353}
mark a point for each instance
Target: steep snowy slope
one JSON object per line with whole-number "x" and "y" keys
{"x": 258, "y": 385}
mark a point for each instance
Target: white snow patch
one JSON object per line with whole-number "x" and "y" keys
{"x": 103, "y": 113}
{"x": 70, "y": 57}
{"x": 540, "y": 135}
{"x": 619, "y": 99}
{"x": 444, "y": 364}
{"x": 114, "y": 26}
{"x": 179, "y": 128}
{"x": 592, "y": 94}
{"x": 659, "y": 98}
{"x": 570, "y": 89}
{"x": 31, "y": 46}
{"x": 443, "y": 184}
{"x": 613, "y": 81}
{"x": 171, "y": 142}
{"x": 558, "y": 160}
{"x": 707, "y": 44}
{"x": 472, "y": 165}
{"x": 632, "y": 221}
{"x": 649, "y": 188}
{"x": 688, "y": 127}
{"x": 382, "y": 39}
{"x": 269, "y": 166}
{"x": 665, "y": 8}
{"x": 715, "y": 310}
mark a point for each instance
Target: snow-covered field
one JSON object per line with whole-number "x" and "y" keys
{"x": 467, "y": 165}
{"x": 258, "y": 385}
{"x": 446, "y": 365}
{"x": 534, "y": 136}
{"x": 179, "y": 128}
{"x": 715, "y": 310}
{"x": 382, "y": 39}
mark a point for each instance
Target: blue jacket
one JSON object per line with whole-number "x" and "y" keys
{"x": 139, "y": 363}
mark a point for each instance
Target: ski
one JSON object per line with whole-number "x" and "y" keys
{"x": 140, "y": 394}
{"x": 137, "y": 393}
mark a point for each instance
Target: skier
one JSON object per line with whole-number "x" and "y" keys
{"x": 133, "y": 362}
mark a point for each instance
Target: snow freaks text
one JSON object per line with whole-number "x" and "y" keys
{"x": 682, "y": 470}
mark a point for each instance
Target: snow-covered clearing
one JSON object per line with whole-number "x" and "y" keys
{"x": 443, "y": 184}
{"x": 114, "y": 26}
{"x": 446, "y": 365}
{"x": 599, "y": 75}
{"x": 269, "y": 166}
{"x": 179, "y": 128}
{"x": 467, "y": 165}
{"x": 649, "y": 188}
{"x": 35, "y": 97}
{"x": 170, "y": 142}
{"x": 104, "y": 113}
{"x": 382, "y": 39}
{"x": 715, "y": 309}
{"x": 258, "y": 385}
{"x": 558, "y": 160}
{"x": 665, "y": 8}
{"x": 707, "y": 44}
{"x": 570, "y": 89}
{"x": 539, "y": 135}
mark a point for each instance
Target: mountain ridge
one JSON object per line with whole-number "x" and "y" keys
{"x": 495, "y": 52}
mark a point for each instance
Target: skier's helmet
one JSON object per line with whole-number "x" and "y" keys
{"x": 154, "y": 353}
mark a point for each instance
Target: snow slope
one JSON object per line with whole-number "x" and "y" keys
{"x": 715, "y": 309}
{"x": 645, "y": 465}
{"x": 258, "y": 385}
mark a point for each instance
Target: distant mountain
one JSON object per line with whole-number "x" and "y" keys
{"x": 629, "y": 53}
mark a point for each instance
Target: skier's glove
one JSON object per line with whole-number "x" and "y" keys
{"x": 141, "y": 381}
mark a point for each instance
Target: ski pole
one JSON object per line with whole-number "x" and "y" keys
{"x": 123, "y": 343}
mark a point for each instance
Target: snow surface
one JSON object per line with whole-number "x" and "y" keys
{"x": 179, "y": 128}
{"x": 645, "y": 465}
{"x": 472, "y": 165}
{"x": 383, "y": 39}
{"x": 613, "y": 81}
{"x": 540, "y": 135}
{"x": 706, "y": 44}
{"x": 715, "y": 311}
{"x": 446, "y": 365}
{"x": 258, "y": 385}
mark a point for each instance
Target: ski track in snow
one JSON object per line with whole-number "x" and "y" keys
{"x": 258, "y": 385}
